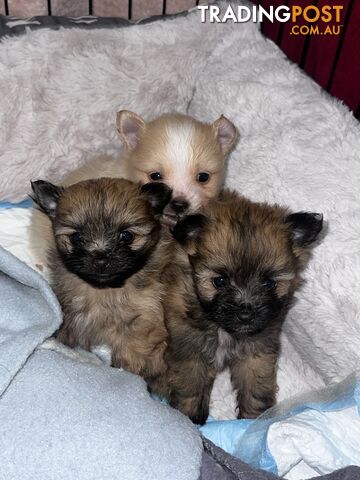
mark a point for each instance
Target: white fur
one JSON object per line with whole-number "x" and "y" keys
{"x": 298, "y": 147}
{"x": 178, "y": 145}
{"x": 224, "y": 348}
{"x": 179, "y": 153}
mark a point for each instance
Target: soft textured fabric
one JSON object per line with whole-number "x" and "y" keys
{"x": 29, "y": 313}
{"x": 317, "y": 432}
{"x": 72, "y": 83}
{"x": 61, "y": 418}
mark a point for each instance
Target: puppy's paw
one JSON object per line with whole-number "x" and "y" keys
{"x": 67, "y": 337}
{"x": 193, "y": 407}
{"x": 255, "y": 407}
{"x": 200, "y": 418}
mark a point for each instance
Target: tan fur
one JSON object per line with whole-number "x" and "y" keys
{"x": 254, "y": 379}
{"x": 130, "y": 319}
{"x": 266, "y": 237}
{"x": 151, "y": 155}
{"x": 100, "y": 167}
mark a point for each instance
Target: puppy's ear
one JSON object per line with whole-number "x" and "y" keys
{"x": 188, "y": 230}
{"x": 129, "y": 126}
{"x": 158, "y": 194}
{"x": 46, "y": 195}
{"x": 225, "y": 133}
{"x": 305, "y": 226}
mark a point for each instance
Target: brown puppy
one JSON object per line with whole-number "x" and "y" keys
{"x": 226, "y": 308}
{"x": 105, "y": 267}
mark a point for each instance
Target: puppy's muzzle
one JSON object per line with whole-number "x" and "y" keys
{"x": 245, "y": 312}
{"x": 174, "y": 210}
{"x": 101, "y": 263}
{"x": 179, "y": 205}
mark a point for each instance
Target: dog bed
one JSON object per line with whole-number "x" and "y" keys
{"x": 297, "y": 147}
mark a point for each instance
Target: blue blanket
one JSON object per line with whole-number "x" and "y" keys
{"x": 322, "y": 414}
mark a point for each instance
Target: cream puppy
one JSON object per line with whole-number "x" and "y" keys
{"x": 187, "y": 155}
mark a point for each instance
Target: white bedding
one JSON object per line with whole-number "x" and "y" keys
{"x": 313, "y": 443}
{"x": 14, "y": 236}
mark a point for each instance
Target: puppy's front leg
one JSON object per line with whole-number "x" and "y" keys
{"x": 69, "y": 335}
{"x": 142, "y": 347}
{"x": 254, "y": 379}
{"x": 116, "y": 359}
{"x": 66, "y": 335}
{"x": 191, "y": 382}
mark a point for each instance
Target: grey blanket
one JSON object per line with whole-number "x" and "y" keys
{"x": 62, "y": 419}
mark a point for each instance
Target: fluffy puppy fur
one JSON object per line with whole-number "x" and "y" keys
{"x": 225, "y": 307}
{"x": 187, "y": 155}
{"x": 105, "y": 267}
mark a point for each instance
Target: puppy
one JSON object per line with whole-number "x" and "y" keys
{"x": 185, "y": 154}
{"x": 226, "y": 307}
{"x": 105, "y": 267}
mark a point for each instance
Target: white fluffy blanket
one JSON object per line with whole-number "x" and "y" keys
{"x": 299, "y": 147}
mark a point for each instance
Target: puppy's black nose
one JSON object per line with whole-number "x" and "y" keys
{"x": 101, "y": 262}
{"x": 246, "y": 312}
{"x": 179, "y": 205}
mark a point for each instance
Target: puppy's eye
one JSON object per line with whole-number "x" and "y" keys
{"x": 270, "y": 284}
{"x": 203, "y": 177}
{"x": 126, "y": 236}
{"x": 155, "y": 176}
{"x": 75, "y": 238}
{"x": 220, "y": 282}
